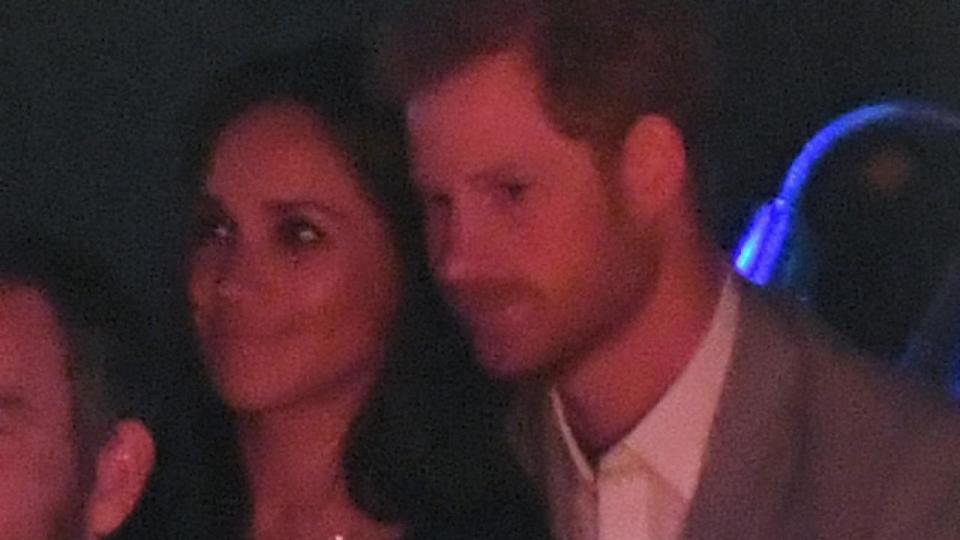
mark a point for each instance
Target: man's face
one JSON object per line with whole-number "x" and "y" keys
{"x": 526, "y": 236}
{"x": 40, "y": 495}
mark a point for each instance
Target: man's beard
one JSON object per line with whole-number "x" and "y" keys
{"x": 70, "y": 519}
{"x": 69, "y": 524}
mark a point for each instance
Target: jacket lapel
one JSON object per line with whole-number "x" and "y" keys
{"x": 754, "y": 444}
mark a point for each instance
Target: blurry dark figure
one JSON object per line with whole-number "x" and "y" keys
{"x": 75, "y": 452}
{"x": 357, "y": 410}
{"x": 933, "y": 350}
{"x": 883, "y": 211}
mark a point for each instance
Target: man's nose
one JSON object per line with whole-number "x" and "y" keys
{"x": 468, "y": 246}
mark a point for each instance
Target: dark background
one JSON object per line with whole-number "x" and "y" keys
{"x": 91, "y": 94}
{"x": 91, "y": 97}
{"x": 795, "y": 65}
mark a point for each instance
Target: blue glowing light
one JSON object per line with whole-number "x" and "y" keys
{"x": 758, "y": 253}
{"x": 749, "y": 246}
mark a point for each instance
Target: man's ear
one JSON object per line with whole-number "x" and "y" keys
{"x": 123, "y": 467}
{"x": 653, "y": 165}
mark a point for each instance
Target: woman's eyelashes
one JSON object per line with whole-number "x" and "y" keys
{"x": 283, "y": 231}
{"x": 299, "y": 232}
{"x": 212, "y": 226}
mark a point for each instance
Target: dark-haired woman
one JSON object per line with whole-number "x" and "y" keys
{"x": 358, "y": 413}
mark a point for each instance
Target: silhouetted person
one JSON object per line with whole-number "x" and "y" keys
{"x": 75, "y": 454}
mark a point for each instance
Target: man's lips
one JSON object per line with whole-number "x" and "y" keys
{"x": 228, "y": 331}
{"x": 485, "y": 313}
{"x": 488, "y": 295}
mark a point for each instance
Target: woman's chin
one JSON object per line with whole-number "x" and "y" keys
{"x": 249, "y": 391}
{"x": 248, "y": 398}
{"x": 246, "y": 386}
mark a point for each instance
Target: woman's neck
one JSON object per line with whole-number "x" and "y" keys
{"x": 293, "y": 456}
{"x": 293, "y": 453}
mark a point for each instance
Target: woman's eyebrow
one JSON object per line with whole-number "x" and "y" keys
{"x": 309, "y": 206}
{"x": 210, "y": 202}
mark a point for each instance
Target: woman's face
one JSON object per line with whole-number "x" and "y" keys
{"x": 294, "y": 279}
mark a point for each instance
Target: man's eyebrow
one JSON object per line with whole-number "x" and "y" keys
{"x": 503, "y": 170}
{"x": 507, "y": 170}
{"x": 12, "y": 398}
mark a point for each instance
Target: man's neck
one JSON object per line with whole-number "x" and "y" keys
{"x": 619, "y": 382}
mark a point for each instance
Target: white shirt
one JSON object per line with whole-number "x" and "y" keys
{"x": 642, "y": 487}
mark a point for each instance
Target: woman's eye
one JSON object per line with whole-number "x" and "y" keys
{"x": 220, "y": 230}
{"x": 299, "y": 232}
{"x": 209, "y": 228}
{"x": 514, "y": 191}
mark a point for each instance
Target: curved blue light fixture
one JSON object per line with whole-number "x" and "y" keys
{"x": 759, "y": 251}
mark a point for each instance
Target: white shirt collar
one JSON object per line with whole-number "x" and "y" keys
{"x": 672, "y": 437}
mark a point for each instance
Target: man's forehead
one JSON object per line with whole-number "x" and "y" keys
{"x": 488, "y": 114}
{"x": 482, "y": 82}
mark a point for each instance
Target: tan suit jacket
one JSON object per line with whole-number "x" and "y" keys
{"x": 811, "y": 440}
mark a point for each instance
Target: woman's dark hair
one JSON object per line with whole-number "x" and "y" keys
{"x": 428, "y": 446}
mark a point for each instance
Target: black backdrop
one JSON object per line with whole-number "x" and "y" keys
{"x": 90, "y": 93}
{"x": 90, "y": 97}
